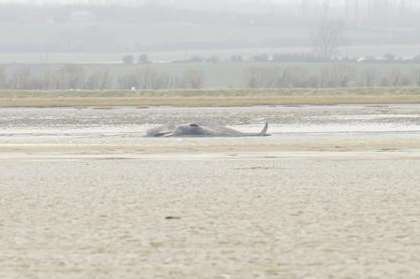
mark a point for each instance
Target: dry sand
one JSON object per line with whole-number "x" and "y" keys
{"x": 288, "y": 206}
{"x": 315, "y": 215}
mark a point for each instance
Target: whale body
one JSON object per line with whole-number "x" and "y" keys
{"x": 197, "y": 130}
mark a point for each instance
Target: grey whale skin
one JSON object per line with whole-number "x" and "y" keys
{"x": 196, "y": 130}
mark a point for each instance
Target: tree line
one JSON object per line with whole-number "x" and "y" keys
{"x": 80, "y": 77}
{"x": 329, "y": 75}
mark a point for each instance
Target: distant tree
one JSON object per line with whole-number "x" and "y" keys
{"x": 128, "y": 59}
{"x": 291, "y": 57}
{"x": 389, "y": 57}
{"x": 262, "y": 58}
{"x": 148, "y": 78}
{"x": 73, "y": 76}
{"x": 213, "y": 59}
{"x": 416, "y": 59}
{"x": 127, "y": 81}
{"x": 292, "y": 77}
{"x": 344, "y": 75}
{"x": 193, "y": 78}
{"x": 21, "y": 78}
{"x": 328, "y": 38}
{"x": 99, "y": 80}
{"x": 260, "y": 77}
{"x": 143, "y": 59}
{"x": 395, "y": 78}
{"x": 50, "y": 78}
{"x": 236, "y": 59}
{"x": 416, "y": 76}
{"x": 279, "y": 58}
{"x": 196, "y": 59}
{"x": 336, "y": 75}
{"x": 369, "y": 77}
{"x": 3, "y": 79}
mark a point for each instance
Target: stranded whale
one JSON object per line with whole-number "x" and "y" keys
{"x": 196, "y": 130}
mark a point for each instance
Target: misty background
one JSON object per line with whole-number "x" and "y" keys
{"x": 193, "y": 44}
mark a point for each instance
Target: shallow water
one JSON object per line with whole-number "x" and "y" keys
{"x": 66, "y": 123}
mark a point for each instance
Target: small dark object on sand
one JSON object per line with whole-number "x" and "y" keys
{"x": 172, "y": 218}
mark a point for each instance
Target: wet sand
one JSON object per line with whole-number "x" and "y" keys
{"x": 98, "y": 201}
{"x": 120, "y": 131}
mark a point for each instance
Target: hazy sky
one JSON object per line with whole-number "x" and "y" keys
{"x": 331, "y": 2}
{"x": 221, "y": 4}
{"x": 129, "y": 1}
{"x": 182, "y": 3}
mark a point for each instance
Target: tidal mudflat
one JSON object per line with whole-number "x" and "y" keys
{"x": 332, "y": 194}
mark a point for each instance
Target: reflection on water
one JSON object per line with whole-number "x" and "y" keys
{"x": 61, "y": 123}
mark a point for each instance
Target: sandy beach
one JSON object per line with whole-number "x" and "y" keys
{"x": 332, "y": 194}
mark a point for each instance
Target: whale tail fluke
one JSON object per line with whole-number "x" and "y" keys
{"x": 263, "y": 132}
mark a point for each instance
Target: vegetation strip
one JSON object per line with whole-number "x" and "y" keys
{"x": 208, "y": 98}
{"x": 204, "y": 101}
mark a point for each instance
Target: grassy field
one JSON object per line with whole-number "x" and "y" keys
{"x": 209, "y": 98}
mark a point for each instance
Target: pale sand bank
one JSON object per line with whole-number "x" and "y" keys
{"x": 143, "y": 146}
{"x": 317, "y": 215}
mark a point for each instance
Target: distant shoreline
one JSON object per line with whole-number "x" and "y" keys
{"x": 208, "y": 98}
